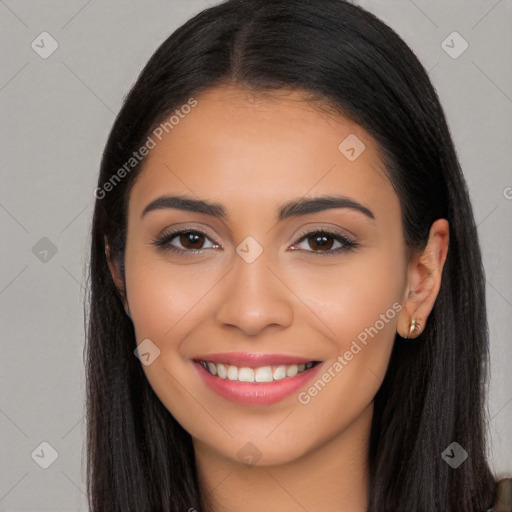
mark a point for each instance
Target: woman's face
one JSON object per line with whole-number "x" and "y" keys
{"x": 258, "y": 288}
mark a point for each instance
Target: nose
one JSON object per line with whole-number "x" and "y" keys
{"x": 253, "y": 298}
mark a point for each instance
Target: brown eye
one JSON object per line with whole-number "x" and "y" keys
{"x": 184, "y": 241}
{"x": 321, "y": 243}
{"x": 191, "y": 240}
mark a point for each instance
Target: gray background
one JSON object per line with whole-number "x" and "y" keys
{"x": 55, "y": 117}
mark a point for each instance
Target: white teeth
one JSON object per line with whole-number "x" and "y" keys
{"x": 292, "y": 370}
{"x": 221, "y": 370}
{"x": 232, "y": 373}
{"x": 261, "y": 374}
{"x": 246, "y": 375}
{"x": 280, "y": 373}
{"x": 212, "y": 368}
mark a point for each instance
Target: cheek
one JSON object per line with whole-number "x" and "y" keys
{"x": 352, "y": 294}
{"x": 365, "y": 328}
{"x": 163, "y": 297}
{"x": 165, "y": 304}
{"x": 355, "y": 304}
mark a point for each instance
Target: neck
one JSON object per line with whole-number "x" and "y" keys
{"x": 332, "y": 475}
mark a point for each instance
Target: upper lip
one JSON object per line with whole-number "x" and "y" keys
{"x": 255, "y": 360}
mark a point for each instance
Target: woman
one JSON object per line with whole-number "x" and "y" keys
{"x": 287, "y": 302}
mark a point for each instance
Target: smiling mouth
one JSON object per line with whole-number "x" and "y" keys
{"x": 260, "y": 374}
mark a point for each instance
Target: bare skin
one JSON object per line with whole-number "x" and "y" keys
{"x": 252, "y": 155}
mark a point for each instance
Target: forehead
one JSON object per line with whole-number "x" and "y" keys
{"x": 250, "y": 148}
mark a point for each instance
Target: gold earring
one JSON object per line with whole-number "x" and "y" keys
{"x": 412, "y": 328}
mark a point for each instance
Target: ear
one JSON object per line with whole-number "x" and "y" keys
{"x": 423, "y": 281}
{"x": 113, "y": 265}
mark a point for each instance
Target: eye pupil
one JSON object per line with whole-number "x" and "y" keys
{"x": 191, "y": 237}
{"x": 322, "y": 244}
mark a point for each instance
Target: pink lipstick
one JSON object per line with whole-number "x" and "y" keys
{"x": 255, "y": 379}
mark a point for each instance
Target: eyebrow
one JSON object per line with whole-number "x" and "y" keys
{"x": 294, "y": 208}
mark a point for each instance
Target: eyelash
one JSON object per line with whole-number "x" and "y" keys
{"x": 163, "y": 242}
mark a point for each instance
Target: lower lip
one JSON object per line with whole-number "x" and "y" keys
{"x": 256, "y": 393}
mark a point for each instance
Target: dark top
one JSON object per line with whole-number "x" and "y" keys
{"x": 503, "y": 497}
